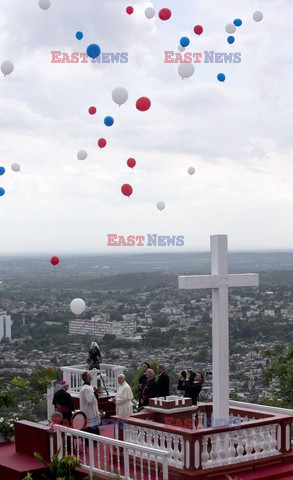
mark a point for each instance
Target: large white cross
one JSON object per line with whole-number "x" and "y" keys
{"x": 220, "y": 281}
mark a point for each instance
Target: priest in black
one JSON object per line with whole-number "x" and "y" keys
{"x": 63, "y": 403}
{"x": 142, "y": 381}
{"x": 150, "y": 389}
{"x": 163, "y": 382}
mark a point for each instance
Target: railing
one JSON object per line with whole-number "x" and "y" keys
{"x": 239, "y": 446}
{"x": 169, "y": 442}
{"x": 109, "y": 373}
{"x": 248, "y": 436}
{"x": 105, "y": 455}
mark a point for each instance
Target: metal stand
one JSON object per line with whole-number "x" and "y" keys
{"x": 102, "y": 380}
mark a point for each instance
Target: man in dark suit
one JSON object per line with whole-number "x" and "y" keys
{"x": 163, "y": 382}
{"x": 142, "y": 381}
{"x": 150, "y": 389}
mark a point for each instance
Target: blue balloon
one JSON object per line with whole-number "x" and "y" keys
{"x": 237, "y": 22}
{"x": 79, "y": 35}
{"x": 93, "y": 50}
{"x": 108, "y": 121}
{"x": 221, "y": 77}
{"x": 231, "y": 39}
{"x": 184, "y": 41}
{"x": 2, "y": 192}
{"x": 2, "y": 170}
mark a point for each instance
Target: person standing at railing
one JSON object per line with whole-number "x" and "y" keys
{"x": 63, "y": 403}
{"x": 89, "y": 404}
{"x": 193, "y": 386}
{"x": 150, "y": 389}
{"x": 123, "y": 398}
{"x": 142, "y": 381}
{"x": 163, "y": 382}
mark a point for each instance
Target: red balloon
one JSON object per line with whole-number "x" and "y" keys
{"x": 129, "y": 10}
{"x": 126, "y": 189}
{"x": 165, "y": 14}
{"x": 143, "y": 104}
{"x": 92, "y": 110}
{"x": 198, "y": 29}
{"x": 54, "y": 261}
{"x": 131, "y": 162}
{"x": 102, "y": 142}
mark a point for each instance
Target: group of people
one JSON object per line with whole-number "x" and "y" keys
{"x": 149, "y": 387}
{"x": 88, "y": 402}
{"x": 190, "y": 384}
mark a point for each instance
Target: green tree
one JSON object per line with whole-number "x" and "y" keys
{"x": 280, "y": 369}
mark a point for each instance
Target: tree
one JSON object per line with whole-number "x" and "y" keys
{"x": 281, "y": 369}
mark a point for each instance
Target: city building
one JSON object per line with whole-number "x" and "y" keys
{"x": 5, "y": 326}
{"x": 100, "y": 325}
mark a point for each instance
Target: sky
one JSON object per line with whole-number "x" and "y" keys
{"x": 237, "y": 134}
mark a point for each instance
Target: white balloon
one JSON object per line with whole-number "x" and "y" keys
{"x": 186, "y": 70}
{"x": 77, "y": 306}
{"x": 150, "y": 12}
{"x": 81, "y": 155}
{"x": 257, "y": 16}
{"x": 180, "y": 48}
{"x": 230, "y": 28}
{"x": 44, "y": 4}
{"x": 161, "y": 205}
{"x": 15, "y": 167}
{"x": 191, "y": 170}
{"x": 120, "y": 95}
{"x": 7, "y": 67}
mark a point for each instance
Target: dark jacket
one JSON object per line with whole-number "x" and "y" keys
{"x": 192, "y": 390}
{"x": 63, "y": 402}
{"x": 181, "y": 384}
{"x": 150, "y": 391}
{"x": 142, "y": 381}
{"x": 163, "y": 385}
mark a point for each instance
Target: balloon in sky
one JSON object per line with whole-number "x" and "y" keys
{"x": 165, "y": 14}
{"x": 143, "y": 104}
{"x": 7, "y": 67}
{"x": 230, "y": 39}
{"x": 81, "y": 155}
{"x": 120, "y": 95}
{"x": 237, "y": 22}
{"x": 257, "y": 16}
{"x": 77, "y": 306}
{"x": 191, "y": 170}
{"x": 184, "y": 41}
{"x": 93, "y": 50}
{"x": 131, "y": 163}
{"x": 221, "y": 77}
{"x": 126, "y": 189}
{"x": 92, "y": 110}
{"x": 108, "y": 121}
{"x": 186, "y": 70}
{"x": 161, "y": 205}
{"x": 2, "y": 170}
{"x": 54, "y": 261}
{"x": 180, "y": 48}
{"x": 230, "y": 28}
{"x": 79, "y": 35}
{"x": 102, "y": 142}
{"x": 198, "y": 29}
{"x": 149, "y": 12}
{"x": 44, "y": 4}
{"x": 15, "y": 167}
{"x": 2, "y": 192}
{"x": 129, "y": 10}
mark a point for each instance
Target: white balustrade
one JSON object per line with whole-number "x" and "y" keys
{"x": 165, "y": 441}
{"x": 99, "y": 454}
{"x": 109, "y": 373}
{"x": 241, "y": 445}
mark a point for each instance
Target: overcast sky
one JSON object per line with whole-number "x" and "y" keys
{"x": 237, "y": 134}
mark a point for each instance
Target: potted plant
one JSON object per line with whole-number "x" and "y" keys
{"x": 60, "y": 468}
{"x": 7, "y": 429}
